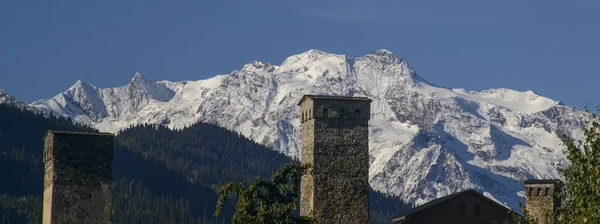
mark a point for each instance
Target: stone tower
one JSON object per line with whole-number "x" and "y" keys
{"x": 542, "y": 201}
{"x": 77, "y": 179}
{"x": 335, "y": 141}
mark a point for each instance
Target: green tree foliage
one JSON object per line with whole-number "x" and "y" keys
{"x": 37, "y": 217}
{"x": 581, "y": 195}
{"x": 266, "y": 201}
{"x": 202, "y": 153}
{"x": 21, "y": 169}
{"x": 276, "y": 201}
{"x": 178, "y": 171}
{"x": 15, "y": 209}
{"x": 134, "y": 202}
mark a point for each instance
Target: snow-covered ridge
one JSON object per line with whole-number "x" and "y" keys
{"x": 425, "y": 141}
{"x": 7, "y": 98}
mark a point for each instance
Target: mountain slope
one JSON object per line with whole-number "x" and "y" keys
{"x": 159, "y": 175}
{"x": 425, "y": 141}
{"x": 141, "y": 192}
{"x": 9, "y": 99}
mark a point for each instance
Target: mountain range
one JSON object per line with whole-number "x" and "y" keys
{"x": 425, "y": 141}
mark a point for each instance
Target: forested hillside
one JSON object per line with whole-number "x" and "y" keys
{"x": 159, "y": 175}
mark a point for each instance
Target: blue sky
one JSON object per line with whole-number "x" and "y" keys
{"x": 548, "y": 46}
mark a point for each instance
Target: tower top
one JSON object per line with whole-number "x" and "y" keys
{"x": 542, "y": 200}
{"x": 51, "y": 132}
{"x": 546, "y": 181}
{"x": 324, "y": 97}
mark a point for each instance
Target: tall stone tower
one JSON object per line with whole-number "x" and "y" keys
{"x": 542, "y": 201}
{"x": 77, "y": 179}
{"x": 335, "y": 141}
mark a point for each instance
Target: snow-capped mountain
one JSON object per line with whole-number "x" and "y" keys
{"x": 7, "y": 98}
{"x": 425, "y": 141}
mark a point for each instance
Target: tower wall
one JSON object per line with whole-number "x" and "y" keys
{"x": 77, "y": 179}
{"x": 335, "y": 142}
{"x": 542, "y": 200}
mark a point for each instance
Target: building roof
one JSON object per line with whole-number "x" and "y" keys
{"x": 547, "y": 181}
{"x": 324, "y": 97}
{"x": 447, "y": 198}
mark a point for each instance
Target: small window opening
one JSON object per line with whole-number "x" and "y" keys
{"x": 357, "y": 111}
{"x": 462, "y": 208}
{"x": 539, "y": 190}
{"x": 477, "y": 209}
{"x": 325, "y": 113}
{"x": 547, "y": 191}
{"x": 529, "y": 191}
{"x": 342, "y": 114}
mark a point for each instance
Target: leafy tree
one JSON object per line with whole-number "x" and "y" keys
{"x": 581, "y": 195}
{"x": 159, "y": 175}
{"x": 267, "y": 201}
{"x": 36, "y": 218}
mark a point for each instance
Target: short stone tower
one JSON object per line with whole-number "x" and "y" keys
{"x": 335, "y": 142}
{"x": 77, "y": 180}
{"x": 542, "y": 201}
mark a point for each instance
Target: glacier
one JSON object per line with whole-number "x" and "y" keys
{"x": 425, "y": 141}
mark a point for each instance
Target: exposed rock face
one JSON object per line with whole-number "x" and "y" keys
{"x": 335, "y": 142}
{"x": 425, "y": 141}
{"x": 77, "y": 180}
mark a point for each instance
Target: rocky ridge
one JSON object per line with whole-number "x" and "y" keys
{"x": 425, "y": 141}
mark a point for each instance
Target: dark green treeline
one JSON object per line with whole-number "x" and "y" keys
{"x": 159, "y": 175}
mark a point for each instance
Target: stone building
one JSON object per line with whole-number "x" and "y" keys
{"x": 467, "y": 206}
{"x": 77, "y": 179}
{"x": 542, "y": 201}
{"x": 335, "y": 142}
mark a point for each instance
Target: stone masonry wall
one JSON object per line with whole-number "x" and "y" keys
{"x": 335, "y": 141}
{"x": 307, "y": 188}
{"x": 78, "y": 178}
{"x": 541, "y": 201}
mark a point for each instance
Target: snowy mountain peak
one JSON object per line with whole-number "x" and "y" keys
{"x": 81, "y": 85}
{"x": 137, "y": 78}
{"x": 385, "y": 57}
{"x": 310, "y": 55}
{"x": 315, "y": 52}
{"x": 7, "y": 98}
{"x": 259, "y": 66}
{"x": 148, "y": 88}
{"x": 382, "y": 52}
{"x": 425, "y": 141}
{"x": 313, "y": 65}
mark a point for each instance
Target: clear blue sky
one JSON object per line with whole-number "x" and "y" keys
{"x": 548, "y": 46}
